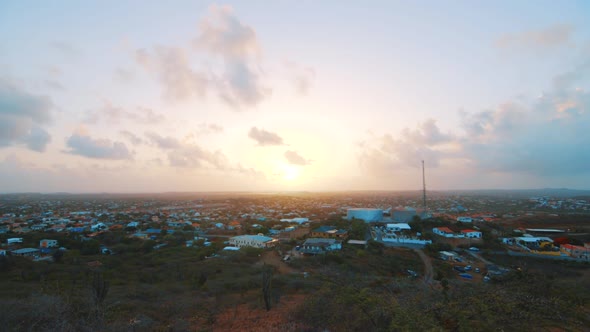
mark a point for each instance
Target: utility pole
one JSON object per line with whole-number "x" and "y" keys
{"x": 423, "y": 187}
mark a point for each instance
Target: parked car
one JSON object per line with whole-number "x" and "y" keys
{"x": 468, "y": 268}
{"x": 459, "y": 268}
{"x": 477, "y": 270}
{"x": 474, "y": 249}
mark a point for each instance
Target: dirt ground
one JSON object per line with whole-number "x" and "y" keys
{"x": 273, "y": 258}
{"x": 248, "y": 317}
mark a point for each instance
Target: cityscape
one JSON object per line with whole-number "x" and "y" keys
{"x": 294, "y": 166}
{"x": 183, "y": 242}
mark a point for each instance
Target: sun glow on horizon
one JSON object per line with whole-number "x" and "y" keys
{"x": 290, "y": 173}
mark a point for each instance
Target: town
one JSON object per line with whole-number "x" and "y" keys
{"x": 452, "y": 240}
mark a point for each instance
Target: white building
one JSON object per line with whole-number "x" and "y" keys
{"x": 396, "y": 227}
{"x": 470, "y": 233}
{"x": 133, "y": 224}
{"x": 256, "y": 241}
{"x": 296, "y": 220}
{"x": 98, "y": 227}
{"x": 447, "y": 255}
{"x": 464, "y": 219}
{"x": 443, "y": 231}
{"x": 14, "y": 240}
{"x": 368, "y": 215}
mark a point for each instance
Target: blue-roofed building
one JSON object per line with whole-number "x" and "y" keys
{"x": 256, "y": 241}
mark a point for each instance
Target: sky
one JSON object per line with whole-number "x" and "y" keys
{"x": 160, "y": 96}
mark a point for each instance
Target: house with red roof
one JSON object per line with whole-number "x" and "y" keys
{"x": 443, "y": 231}
{"x": 234, "y": 225}
{"x": 575, "y": 251}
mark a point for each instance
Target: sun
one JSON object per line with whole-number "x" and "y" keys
{"x": 290, "y": 173}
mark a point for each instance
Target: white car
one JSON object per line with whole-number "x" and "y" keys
{"x": 474, "y": 249}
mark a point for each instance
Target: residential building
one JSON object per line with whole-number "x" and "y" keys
{"x": 256, "y": 241}
{"x": 575, "y": 251}
{"x": 46, "y": 243}
{"x": 397, "y": 227}
{"x": 365, "y": 214}
{"x": 38, "y": 227}
{"x": 234, "y": 225}
{"x": 443, "y": 231}
{"x": 447, "y": 255}
{"x": 26, "y": 252}
{"x": 320, "y": 246}
{"x": 464, "y": 219}
{"x": 14, "y": 240}
{"x": 328, "y": 232}
{"x": 295, "y": 220}
{"x": 470, "y": 233}
{"x": 133, "y": 224}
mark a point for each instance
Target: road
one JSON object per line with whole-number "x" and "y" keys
{"x": 478, "y": 257}
{"x": 428, "y": 271}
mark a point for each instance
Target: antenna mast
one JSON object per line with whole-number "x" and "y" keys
{"x": 423, "y": 187}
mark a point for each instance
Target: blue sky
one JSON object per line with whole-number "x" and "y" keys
{"x": 127, "y": 96}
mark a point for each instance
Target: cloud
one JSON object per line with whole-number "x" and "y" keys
{"x": 193, "y": 156}
{"x": 240, "y": 85}
{"x": 131, "y": 137}
{"x": 228, "y": 41}
{"x": 248, "y": 171}
{"x": 222, "y": 34}
{"x": 184, "y": 154}
{"x": 22, "y": 117}
{"x": 172, "y": 68}
{"x": 114, "y": 114}
{"x": 383, "y": 154}
{"x": 209, "y": 128}
{"x": 53, "y": 71}
{"x": 427, "y": 133}
{"x": 124, "y": 75}
{"x": 162, "y": 142}
{"x": 54, "y": 85}
{"x": 86, "y": 146}
{"x": 551, "y": 37}
{"x": 295, "y": 158}
{"x": 265, "y": 138}
{"x": 545, "y": 138}
{"x": 66, "y": 49}
{"x": 301, "y": 77}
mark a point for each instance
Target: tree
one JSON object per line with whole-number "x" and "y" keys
{"x": 266, "y": 290}
{"x": 58, "y": 255}
{"x": 358, "y": 229}
{"x": 99, "y": 288}
{"x": 416, "y": 224}
{"x": 90, "y": 247}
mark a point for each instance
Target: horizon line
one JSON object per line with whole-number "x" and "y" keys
{"x": 273, "y": 191}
